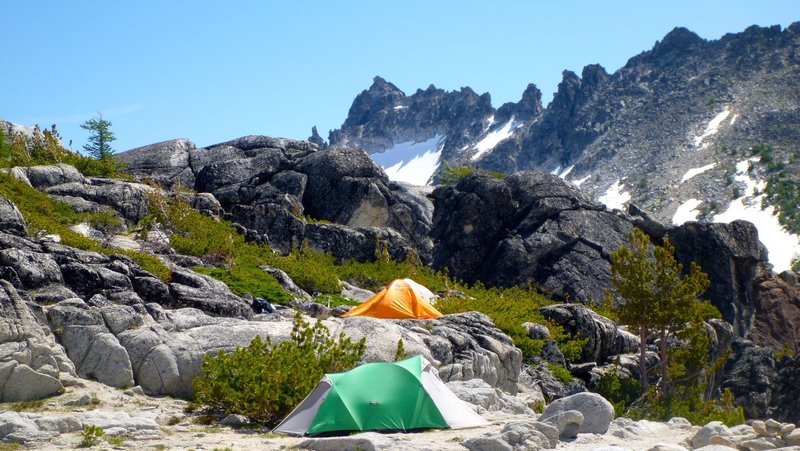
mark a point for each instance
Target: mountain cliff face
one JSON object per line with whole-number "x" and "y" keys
{"x": 671, "y": 131}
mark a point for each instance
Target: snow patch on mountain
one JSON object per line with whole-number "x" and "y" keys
{"x": 697, "y": 171}
{"x": 782, "y": 245}
{"x": 411, "y": 162}
{"x": 615, "y": 196}
{"x": 579, "y": 182}
{"x": 492, "y": 139}
{"x": 687, "y": 212}
{"x": 563, "y": 174}
{"x": 712, "y": 128}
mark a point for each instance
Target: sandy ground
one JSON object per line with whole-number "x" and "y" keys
{"x": 184, "y": 431}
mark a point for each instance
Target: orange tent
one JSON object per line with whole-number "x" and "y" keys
{"x": 401, "y": 299}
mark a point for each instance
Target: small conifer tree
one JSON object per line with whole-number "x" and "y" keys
{"x": 99, "y": 145}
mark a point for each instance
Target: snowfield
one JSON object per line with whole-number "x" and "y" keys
{"x": 687, "y": 212}
{"x": 697, "y": 171}
{"x": 782, "y": 245}
{"x": 494, "y": 138}
{"x": 615, "y": 196}
{"x": 411, "y": 162}
{"x": 712, "y": 128}
{"x": 579, "y": 182}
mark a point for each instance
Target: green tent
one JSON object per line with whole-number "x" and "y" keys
{"x": 401, "y": 396}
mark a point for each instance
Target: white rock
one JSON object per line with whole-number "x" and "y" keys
{"x": 758, "y": 444}
{"x": 20, "y": 429}
{"x": 23, "y": 384}
{"x": 597, "y": 411}
{"x": 518, "y": 435}
{"x": 479, "y": 393}
{"x": 62, "y": 424}
{"x": 679, "y": 422}
{"x": 793, "y": 438}
{"x": 702, "y": 437}
{"x": 568, "y": 423}
{"x": 759, "y": 427}
{"x": 108, "y": 420}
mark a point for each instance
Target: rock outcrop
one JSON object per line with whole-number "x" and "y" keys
{"x": 733, "y": 257}
{"x": 766, "y": 387}
{"x": 777, "y": 312}
{"x": 11, "y": 220}
{"x": 287, "y": 192}
{"x": 521, "y": 435}
{"x": 604, "y": 339}
{"x": 462, "y": 346}
{"x": 30, "y": 360}
{"x": 530, "y": 228}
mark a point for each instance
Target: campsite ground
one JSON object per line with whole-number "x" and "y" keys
{"x": 178, "y": 430}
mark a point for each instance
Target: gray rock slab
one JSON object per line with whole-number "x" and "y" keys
{"x": 597, "y": 411}
{"x": 367, "y": 441}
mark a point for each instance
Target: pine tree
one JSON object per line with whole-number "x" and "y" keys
{"x": 99, "y": 145}
{"x": 657, "y": 296}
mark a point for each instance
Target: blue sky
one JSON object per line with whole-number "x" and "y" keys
{"x": 213, "y": 71}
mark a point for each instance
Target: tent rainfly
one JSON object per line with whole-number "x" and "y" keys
{"x": 397, "y": 396}
{"x": 400, "y": 299}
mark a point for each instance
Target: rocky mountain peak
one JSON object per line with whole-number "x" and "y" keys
{"x": 381, "y": 88}
{"x": 316, "y": 139}
{"x": 593, "y": 77}
{"x": 370, "y": 102}
{"x": 677, "y": 42}
{"x": 564, "y": 99}
{"x": 669, "y": 131}
{"x": 527, "y": 109}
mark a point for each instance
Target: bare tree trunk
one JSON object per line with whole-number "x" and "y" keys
{"x": 643, "y": 357}
{"x": 662, "y": 351}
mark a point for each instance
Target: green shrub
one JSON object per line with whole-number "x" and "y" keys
{"x": 244, "y": 280}
{"x": 118, "y": 440}
{"x": 508, "y": 308}
{"x": 91, "y": 436}
{"x": 44, "y": 148}
{"x": 400, "y": 352}
{"x": 560, "y": 373}
{"x": 783, "y": 192}
{"x": 572, "y": 348}
{"x": 653, "y": 406}
{"x": 311, "y": 270}
{"x": 375, "y": 275}
{"x": 452, "y": 173}
{"x": 266, "y": 380}
{"x": 620, "y": 391}
{"x": 105, "y": 222}
{"x": 335, "y": 300}
{"x": 765, "y": 152}
{"x": 22, "y": 406}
